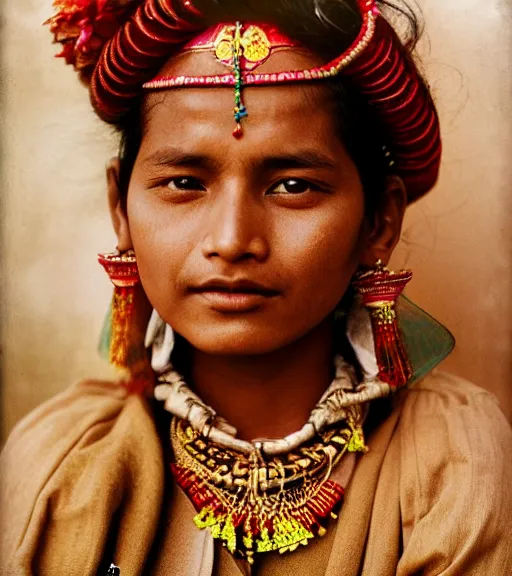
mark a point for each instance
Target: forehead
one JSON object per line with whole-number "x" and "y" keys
{"x": 279, "y": 116}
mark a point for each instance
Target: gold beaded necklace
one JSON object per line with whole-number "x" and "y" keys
{"x": 269, "y": 495}
{"x": 254, "y": 503}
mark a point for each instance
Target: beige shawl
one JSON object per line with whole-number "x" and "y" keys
{"x": 85, "y": 473}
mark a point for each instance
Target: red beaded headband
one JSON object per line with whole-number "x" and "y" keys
{"x": 117, "y": 45}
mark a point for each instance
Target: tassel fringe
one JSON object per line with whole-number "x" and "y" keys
{"x": 249, "y": 529}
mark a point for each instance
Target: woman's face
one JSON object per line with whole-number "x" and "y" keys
{"x": 244, "y": 246}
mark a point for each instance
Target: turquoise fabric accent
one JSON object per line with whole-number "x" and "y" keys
{"x": 427, "y": 342}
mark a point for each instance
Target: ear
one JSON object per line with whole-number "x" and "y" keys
{"x": 118, "y": 207}
{"x": 385, "y": 225}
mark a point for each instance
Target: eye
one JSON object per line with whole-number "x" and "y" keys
{"x": 183, "y": 183}
{"x": 293, "y": 186}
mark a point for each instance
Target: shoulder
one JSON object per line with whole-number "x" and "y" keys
{"x": 71, "y": 456}
{"x": 446, "y": 387}
{"x": 58, "y": 424}
{"x": 456, "y": 478}
{"x": 444, "y": 416}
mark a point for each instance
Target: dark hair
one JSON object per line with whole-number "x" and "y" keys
{"x": 327, "y": 27}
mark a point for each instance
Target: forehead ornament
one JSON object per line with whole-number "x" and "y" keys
{"x": 245, "y": 47}
{"x": 253, "y": 44}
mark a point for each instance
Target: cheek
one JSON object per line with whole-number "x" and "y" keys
{"x": 323, "y": 253}
{"x": 161, "y": 244}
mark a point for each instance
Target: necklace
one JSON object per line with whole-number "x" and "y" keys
{"x": 271, "y": 495}
{"x": 254, "y": 503}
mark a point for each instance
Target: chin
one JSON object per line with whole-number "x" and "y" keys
{"x": 237, "y": 342}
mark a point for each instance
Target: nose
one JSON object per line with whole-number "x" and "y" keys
{"x": 236, "y": 228}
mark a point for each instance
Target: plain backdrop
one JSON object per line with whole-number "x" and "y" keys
{"x": 458, "y": 240}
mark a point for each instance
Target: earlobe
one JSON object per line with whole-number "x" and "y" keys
{"x": 117, "y": 206}
{"x": 386, "y": 224}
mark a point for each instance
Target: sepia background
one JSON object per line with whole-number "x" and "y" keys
{"x": 458, "y": 241}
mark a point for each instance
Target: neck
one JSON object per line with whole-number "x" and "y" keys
{"x": 270, "y": 395}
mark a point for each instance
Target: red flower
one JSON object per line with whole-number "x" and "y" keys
{"x": 84, "y": 26}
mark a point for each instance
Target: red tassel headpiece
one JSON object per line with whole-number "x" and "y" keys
{"x": 152, "y": 31}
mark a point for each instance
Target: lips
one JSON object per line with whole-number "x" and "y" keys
{"x": 234, "y": 296}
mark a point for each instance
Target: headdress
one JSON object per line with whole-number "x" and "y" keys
{"x": 119, "y": 45}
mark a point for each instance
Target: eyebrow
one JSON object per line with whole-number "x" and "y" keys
{"x": 171, "y": 156}
{"x": 297, "y": 160}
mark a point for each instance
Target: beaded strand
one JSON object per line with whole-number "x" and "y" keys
{"x": 240, "y": 109}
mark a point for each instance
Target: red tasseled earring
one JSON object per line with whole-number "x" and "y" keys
{"x": 124, "y": 275}
{"x": 123, "y": 338}
{"x": 380, "y": 289}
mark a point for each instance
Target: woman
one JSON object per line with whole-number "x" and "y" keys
{"x": 251, "y": 251}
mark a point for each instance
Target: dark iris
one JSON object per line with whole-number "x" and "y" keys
{"x": 185, "y": 183}
{"x": 296, "y": 186}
